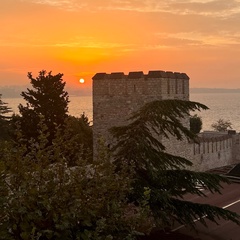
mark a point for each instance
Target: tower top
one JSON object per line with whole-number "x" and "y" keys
{"x": 140, "y": 74}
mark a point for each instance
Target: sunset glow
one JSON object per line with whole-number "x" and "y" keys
{"x": 80, "y": 38}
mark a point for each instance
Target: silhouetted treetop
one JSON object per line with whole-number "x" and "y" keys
{"x": 46, "y": 98}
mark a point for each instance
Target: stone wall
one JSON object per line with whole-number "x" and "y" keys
{"x": 211, "y": 152}
{"x": 236, "y": 148}
{"x": 116, "y": 96}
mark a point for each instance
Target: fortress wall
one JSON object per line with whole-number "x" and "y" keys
{"x": 212, "y": 152}
{"x": 236, "y": 148}
{"x": 154, "y": 87}
{"x": 102, "y": 88}
{"x": 136, "y": 87}
{"x": 116, "y": 96}
{"x": 176, "y": 147}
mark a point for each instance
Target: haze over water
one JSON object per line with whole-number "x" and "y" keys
{"x": 221, "y": 105}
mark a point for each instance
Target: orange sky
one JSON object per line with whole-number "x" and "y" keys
{"x": 79, "y": 38}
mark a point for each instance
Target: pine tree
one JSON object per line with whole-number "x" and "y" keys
{"x": 4, "y": 120}
{"x": 162, "y": 175}
{"x": 4, "y": 109}
{"x": 47, "y": 99}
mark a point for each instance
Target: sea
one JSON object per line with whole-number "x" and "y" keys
{"x": 221, "y": 105}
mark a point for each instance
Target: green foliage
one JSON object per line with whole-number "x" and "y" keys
{"x": 4, "y": 109}
{"x": 4, "y": 120}
{"x": 54, "y": 201}
{"x": 5, "y": 127}
{"x": 222, "y": 125}
{"x": 195, "y": 124}
{"x": 46, "y": 98}
{"x": 77, "y": 139}
{"x": 162, "y": 173}
{"x": 57, "y": 191}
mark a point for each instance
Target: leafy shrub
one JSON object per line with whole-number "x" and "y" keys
{"x": 222, "y": 125}
{"x": 54, "y": 201}
{"x": 195, "y": 123}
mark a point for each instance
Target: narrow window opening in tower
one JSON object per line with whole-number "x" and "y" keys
{"x": 134, "y": 88}
{"x": 183, "y": 87}
{"x": 168, "y": 86}
{"x": 176, "y": 86}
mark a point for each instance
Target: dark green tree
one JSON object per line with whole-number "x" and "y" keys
{"x": 76, "y": 139}
{"x": 195, "y": 123}
{"x": 222, "y": 125}
{"x": 46, "y": 99}
{"x": 58, "y": 202}
{"x": 4, "y": 119}
{"x": 162, "y": 175}
{"x": 4, "y": 109}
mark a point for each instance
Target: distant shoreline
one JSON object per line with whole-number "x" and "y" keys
{"x": 14, "y": 92}
{"x": 214, "y": 90}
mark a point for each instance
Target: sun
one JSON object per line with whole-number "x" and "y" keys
{"x": 81, "y": 80}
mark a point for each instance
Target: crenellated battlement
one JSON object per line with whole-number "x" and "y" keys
{"x": 156, "y": 83}
{"x": 140, "y": 74}
{"x": 212, "y": 144}
{"x": 215, "y": 149}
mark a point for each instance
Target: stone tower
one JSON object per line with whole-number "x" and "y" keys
{"x": 116, "y": 96}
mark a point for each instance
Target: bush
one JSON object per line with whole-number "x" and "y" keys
{"x": 76, "y": 138}
{"x": 222, "y": 125}
{"x": 54, "y": 201}
{"x": 195, "y": 124}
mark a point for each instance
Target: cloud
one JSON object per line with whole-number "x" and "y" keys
{"x": 71, "y": 5}
{"x": 221, "y": 38}
{"x": 91, "y": 44}
{"x": 182, "y": 22}
{"x": 213, "y": 8}
{"x": 78, "y": 42}
{"x": 217, "y": 8}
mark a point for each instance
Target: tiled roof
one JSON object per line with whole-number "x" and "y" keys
{"x": 235, "y": 171}
{"x": 224, "y": 170}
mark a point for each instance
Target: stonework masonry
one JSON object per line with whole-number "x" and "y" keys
{"x": 215, "y": 149}
{"x": 116, "y": 96}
